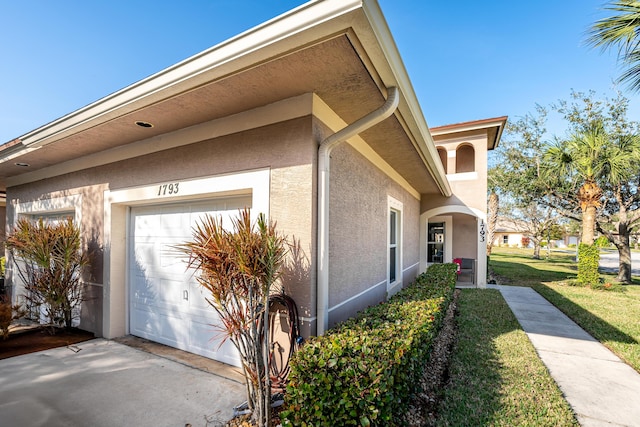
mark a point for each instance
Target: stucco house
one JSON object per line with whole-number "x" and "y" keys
{"x": 309, "y": 118}
{"x": 510, "y": 233}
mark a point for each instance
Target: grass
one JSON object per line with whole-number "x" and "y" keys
{"x": 609, "y": 316}
{"x": 496, "y": 377}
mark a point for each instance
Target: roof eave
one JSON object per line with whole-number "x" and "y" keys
{"x": 303, "y": 25}
{"x": 192, "y": 72}
{"x": 409, "y": 106}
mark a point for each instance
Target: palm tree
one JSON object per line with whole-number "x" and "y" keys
{"x": 583, "y": 159}
{"x": 238, "y": 271}
{"x": 494, "y": 204}
{"x": 621, "y": 30}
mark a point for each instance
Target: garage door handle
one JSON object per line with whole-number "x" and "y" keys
{"x": 185, "y": 295}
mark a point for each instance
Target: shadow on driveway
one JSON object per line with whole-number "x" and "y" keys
{"x": 105, "y": 383}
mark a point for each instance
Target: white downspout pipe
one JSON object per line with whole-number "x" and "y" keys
{"x": 324, "y": 153}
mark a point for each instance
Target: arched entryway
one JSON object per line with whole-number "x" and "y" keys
{"x": 450, "y": 232}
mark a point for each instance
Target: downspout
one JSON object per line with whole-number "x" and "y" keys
{"x": 324, "y": 160}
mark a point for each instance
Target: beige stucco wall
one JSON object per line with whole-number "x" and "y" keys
{"x": 286, "y": 148}
{"x": 358, "y": 233}
{"x": 469, "y": 189}
{"x": 359, "y": 203}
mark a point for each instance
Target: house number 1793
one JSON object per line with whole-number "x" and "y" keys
{"x": 164, "y": 189}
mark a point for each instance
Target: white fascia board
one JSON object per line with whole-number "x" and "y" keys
{"x": 412, "y": 116}
{"x": 223, "y": 59}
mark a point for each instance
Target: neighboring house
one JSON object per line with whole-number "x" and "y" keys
{"x": 271, "y": 120}
{"x": 510, "y": 233}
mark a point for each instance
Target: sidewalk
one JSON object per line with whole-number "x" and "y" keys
{"x": 601, "y": 389}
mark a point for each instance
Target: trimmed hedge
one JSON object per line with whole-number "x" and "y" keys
{"x": 364, "y": 370}
{"x": 588, "y": 261}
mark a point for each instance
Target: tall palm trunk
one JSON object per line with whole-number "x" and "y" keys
{"x": 589, "y": 196}
{"x": 494, "y": 204}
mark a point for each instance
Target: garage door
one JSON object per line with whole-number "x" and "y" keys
{"x": 166, "y": 304}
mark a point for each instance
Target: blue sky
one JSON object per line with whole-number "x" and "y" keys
{"x": 467, "y": 59}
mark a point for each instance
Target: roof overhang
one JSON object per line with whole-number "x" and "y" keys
{"x": 493, "y": 126}
{"x": 341, "y": 50}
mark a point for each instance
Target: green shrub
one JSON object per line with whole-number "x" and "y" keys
{"x": 588, "y": 260}
{"x": 3, "y": 263}
{"x": 602, "y": 242}
{"x": 364, "y": 370}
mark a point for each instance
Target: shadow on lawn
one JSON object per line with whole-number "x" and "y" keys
{"x": 522, "y": 274}
{"x": 594, "y": 325}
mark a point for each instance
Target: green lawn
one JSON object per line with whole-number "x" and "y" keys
{"x": 496, "y": 377}
{"x": 610, "y": 316}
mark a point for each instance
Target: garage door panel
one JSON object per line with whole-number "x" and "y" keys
{"x": 172, "y": 258}
{"x": 166, "y": 327}
{"x": 198, "y": 301}
{"x": 166, "y": 302}
{"x": 208, "y": 340}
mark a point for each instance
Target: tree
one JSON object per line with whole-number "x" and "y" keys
{"x": 582, "y": 159}
{"x": 617, "y": 163}
{"x": 50, "y": 262}
{"x": 621, "y": 31}
{"x": 239, "y": 269}
{"x": 516, "y": 177}
{"x": 494, "y": 205}
{"x": 535, "y": 221}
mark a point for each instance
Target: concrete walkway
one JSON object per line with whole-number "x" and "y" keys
{"x": 104, "y": 384}
{"x": 601, "y": 389}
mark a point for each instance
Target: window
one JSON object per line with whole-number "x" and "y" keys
{"x": 394, "y": 245}
{"x": 53, "y": 218}
{"x": 505, "y": 239}
{"x": 435, "y": 242}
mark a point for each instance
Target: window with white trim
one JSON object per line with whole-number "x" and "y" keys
{"x": 394, "y": 243}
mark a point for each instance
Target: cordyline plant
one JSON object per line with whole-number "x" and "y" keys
{"x": 50, "y": 261}
{"x": 239, "y": 269}
{"x": 8, "y": 313}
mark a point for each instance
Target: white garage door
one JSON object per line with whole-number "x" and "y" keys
{"x": 166, "y": 304}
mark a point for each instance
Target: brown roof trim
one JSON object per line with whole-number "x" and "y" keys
{"x": 472, "y": 123}
{"x": 10, "y": 144}
{"x": 498, "y": 123}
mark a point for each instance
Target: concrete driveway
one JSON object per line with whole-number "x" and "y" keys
{"x": 105, "y": 383}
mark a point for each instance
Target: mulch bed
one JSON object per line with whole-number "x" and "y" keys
{"x": 40, "y": 338}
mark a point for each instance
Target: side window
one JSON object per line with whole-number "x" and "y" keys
{"x": 52, "y": 218}
{"x": 505, "y": 239}
{"x": 394, "y": 243}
